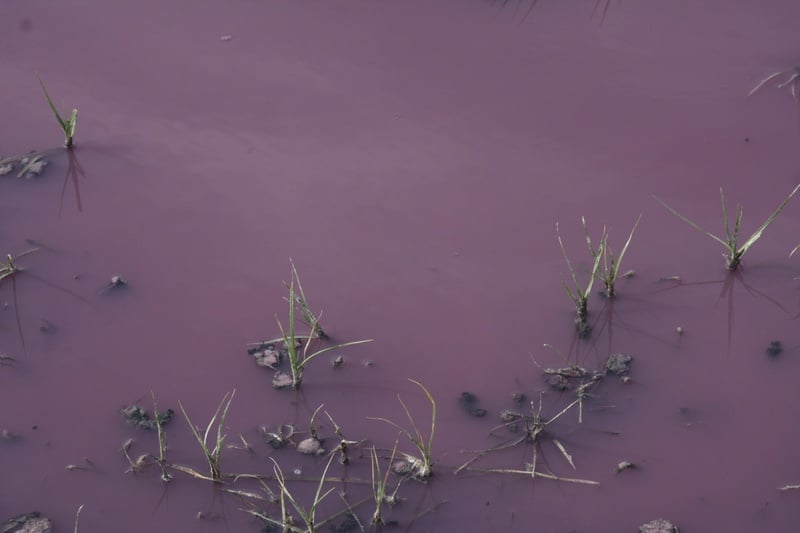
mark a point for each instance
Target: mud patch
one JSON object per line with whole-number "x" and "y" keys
{"x": 27, "y": 523}
{"x": 139, "y": 417}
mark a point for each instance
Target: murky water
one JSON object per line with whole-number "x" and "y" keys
{"x": 413, "y": 160}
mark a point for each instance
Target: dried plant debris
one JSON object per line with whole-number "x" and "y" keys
{"x": 469, "y": 402}
{"x": 32, "y": 167}
{"x": 570, "y": 377}
{"x": 619, "y": 364}
{"x": 139, "y": 417}
{"x": 27, "y": 523}
{"x": 775, "y": 348}
{"x": 658, "y": 526}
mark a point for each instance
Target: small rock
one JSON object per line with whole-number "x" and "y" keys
{"x": 658, "y": 526}
{"x": 27, "y": 523}
{"x": 339, "y": 361}
{"x": 619, "y": 364}
{"x": 310, "y": 446}
{"x": 266, "y": 355}
{"x": 402, "y": 468}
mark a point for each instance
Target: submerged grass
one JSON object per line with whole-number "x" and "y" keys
{"x": 730, "y": 241}
{"x": 380, "y": 482}
{"x": 419, "y": 467}
{"x": 67, "y": 125}
{"x": 212, "y": 455}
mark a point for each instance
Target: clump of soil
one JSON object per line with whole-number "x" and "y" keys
{"x": 569, "y": 377}
{"x": 282, "y": 380}
{"x": 267, "y": 355}
{"x": 27, "y": 523}
{"x": 139, "y": 417}
{"x": 658, "y": 526}
{"x": 775, "y": 348}
{"x": 469, "y": 402}
{"x": 619, "y": 364}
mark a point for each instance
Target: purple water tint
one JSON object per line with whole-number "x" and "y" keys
{"x": 413, "y": 160}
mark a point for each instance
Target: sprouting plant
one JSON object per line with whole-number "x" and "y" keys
{"x": 9, "y": 266}
{"x": 612, "y": 263}
{"x": 418, "y": 467}
{"x": 791, "y": 80}
{"x": 67, "y": 126}
{"x": 212, "y": 455}
{"x": 578, "y": 295}
{"x": 300, "y": 347}
{"x": 311, "y": 320}
{"x": 380, "y": 482}
{"x": 343, "y": 448}
{"x": 166, "y": 477}
{"x": 733, "y": 250}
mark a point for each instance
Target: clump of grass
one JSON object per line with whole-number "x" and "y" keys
{"x": 420, "y": 467}
{"x": 9, "y": 267}
{"x": 161, "y": 460}
{"x": 67, "y": 125}
{"x": 300, "y": 300}
{"x": 300, "y": 348}
{"x": 212, "y": 455}
{"x": 578, "y": 294}
{"x": 733, "y": 250}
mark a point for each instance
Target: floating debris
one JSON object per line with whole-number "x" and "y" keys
{"x": 624, "y": 465}
{"x": 775, "y": 348}
{"x": 658, "y": 526}
{"x": 32, "y": 167}
{"x": 619, "y": 364}
{"x": 279, "y": 438}
{"x": 139, "y": 417}
{"x": 6, "y": 167}
{"x": 339, "y": 361}
{"x": 27, "y": 523}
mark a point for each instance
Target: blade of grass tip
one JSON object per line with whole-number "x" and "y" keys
{"x": 625, "y": 247}
{"x": 725, "y": 220}
{"x": 564, "y": 452}
{"x": 73, "y": 120}
{"x": 595, "y": 268}
{"x": 691, "y": 223}
{"x": 77, "y": 517}
{"x": 220, "y": 427}
{"x": 433, "y": 411}
{"x": 794, "y": 250}
{"x": 763, "y": 82}
{"x": 418, "y": 440}
{"x": 566, "y": 258}
{"x": 757, "y": 234}
{"x": 317, "y": 497}
{"x": 60, "y": 120}
{"x": 329, "y": 348}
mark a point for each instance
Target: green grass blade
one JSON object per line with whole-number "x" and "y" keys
{"x": 691, "y": 223}
{"x": 307, "y": 359}
{"x": 616, "y": 263}
{"x": 61, "y": 121}
{"x": 757, "y": 234}
{"x": 433, "y": 412}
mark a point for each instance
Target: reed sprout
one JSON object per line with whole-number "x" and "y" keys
{"x": 730, "y": 241}
{"x": 67, "y": 125}
{"x": 612, "y": 263}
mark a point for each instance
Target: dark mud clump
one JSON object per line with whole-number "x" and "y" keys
{"x": 775, "y": 348}
{"x": 139, "y": 417}
{"x": 658, "y": 526}
{"x": 619, "y": 364}
{"x": 27, "y": 523}
{"x": 469, "y": 402}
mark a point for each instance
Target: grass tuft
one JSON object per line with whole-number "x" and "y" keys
{"x": 212, "y": 455}
{"x": 730, "y": 241}
{"x": 419, "y": 467}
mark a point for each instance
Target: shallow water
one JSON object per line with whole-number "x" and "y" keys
{"x": 413, "y": 161}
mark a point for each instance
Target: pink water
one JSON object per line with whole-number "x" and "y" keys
{"x": 413, "y": 159}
